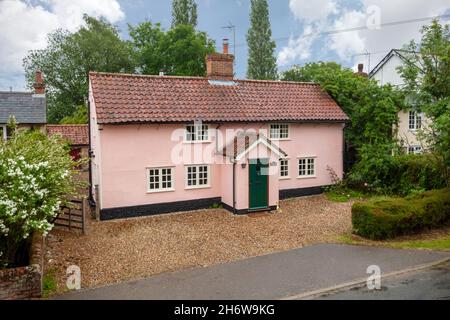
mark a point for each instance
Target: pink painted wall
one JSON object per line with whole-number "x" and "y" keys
{"x": 325, "y": 142}
{"x": 124, "y": 152}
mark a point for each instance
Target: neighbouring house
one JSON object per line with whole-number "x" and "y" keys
{"x": 410, "y": 121}
{"x": 76, "y": 134}
{"x": 28, "y": 108}
{"x": 165, "y": 143}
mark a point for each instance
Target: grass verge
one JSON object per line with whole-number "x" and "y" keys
{"x": 439, "y": 240}
{"x": 344, "y": 196}
{"x": 49, "y": 284}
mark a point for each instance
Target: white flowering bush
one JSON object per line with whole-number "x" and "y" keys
{"x": 35, "y": 179}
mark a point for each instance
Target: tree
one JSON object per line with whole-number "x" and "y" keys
{"x": 68, "y": 58}
{"x": 427, "y": 85}
{"x": 372, "y": 109}
{"x": 179, "y": 51}
{"x": 80, "y": 116}
{"x": 261, "y": 48}
{"x": 184, "y": 12}
{"x": 35, "y": 178}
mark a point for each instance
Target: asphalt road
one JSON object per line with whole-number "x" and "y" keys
{"x": 273, "y": 276}
{"x": 430, "y": 284}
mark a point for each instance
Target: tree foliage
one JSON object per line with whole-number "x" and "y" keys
{"x": 35, "y": 177}
{"x": 68, "y": 58}
{"x": 184, "y": 12}
{"x": 427, "y": 84}
{"x": 179, "y": 51}
{"x": 261, "y": 47}
{"x": 372, "y": 109}
{"x": 80, "y": 116}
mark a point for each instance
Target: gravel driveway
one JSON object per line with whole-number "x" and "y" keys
{"x": 120, "y": 250}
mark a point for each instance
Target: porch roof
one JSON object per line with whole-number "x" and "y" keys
{"x": 244, "y": 142}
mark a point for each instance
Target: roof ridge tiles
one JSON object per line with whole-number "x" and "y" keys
{"x": 152, "y": 76}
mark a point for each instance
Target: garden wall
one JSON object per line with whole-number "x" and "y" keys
{"x": 24, "y": 282}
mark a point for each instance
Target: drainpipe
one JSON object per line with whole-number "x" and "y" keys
{"x": 91, "y": 198}
{"x": 217, "y": 139}
{"x": 234, "y": 186}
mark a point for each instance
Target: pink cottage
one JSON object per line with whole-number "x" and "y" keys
{"x": 162, "y": 144}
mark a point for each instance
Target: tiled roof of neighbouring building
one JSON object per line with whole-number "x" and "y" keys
{"x": 124, "y": 98}
{"x": 26, "y": 107}
{"x": 76, "y": 134}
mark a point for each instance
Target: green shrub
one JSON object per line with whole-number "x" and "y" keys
{"x": 399, "y": 175}
{"x": 387, "y": 217}
{"x": 35, "y": 178}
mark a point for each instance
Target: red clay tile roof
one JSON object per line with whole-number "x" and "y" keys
{"x": 77, "y": 134}
{"x": 124, "y": 98}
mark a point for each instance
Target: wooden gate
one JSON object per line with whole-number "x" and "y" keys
{"x": 73, "y": 216}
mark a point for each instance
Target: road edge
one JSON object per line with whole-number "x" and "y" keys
{"x": 361, "y": 281}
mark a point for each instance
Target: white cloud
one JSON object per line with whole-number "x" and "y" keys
{"x": 299, "y": 48}
{"x": 312, "y": 10}
{"x": 24, "y": 26}
{"x": 70, "y": 13}
{"x": 347, "y": 43}
{"x": 336, "y": 15}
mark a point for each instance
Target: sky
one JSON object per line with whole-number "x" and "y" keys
{"x": 299, "y": 27}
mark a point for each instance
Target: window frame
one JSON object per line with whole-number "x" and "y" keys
{"x": 197, "y": 176}
{"x": 416, "y": 149}
{"x": 414, "y": 120}
{"x": 160, "y": 180}
{"x": 199, "y": 130}
{"x": 307, "y": 159}
{"x": 280, "y": 125}
{"x": 287, "y": 176}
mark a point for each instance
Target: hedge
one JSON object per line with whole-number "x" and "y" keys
{"x": 399, "y": 175}
{"x": 386, "y": 217}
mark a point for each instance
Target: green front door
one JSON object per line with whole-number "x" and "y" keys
{"x": 258, "y": 180}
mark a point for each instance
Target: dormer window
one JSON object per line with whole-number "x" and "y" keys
{"x": 197, "y": 132}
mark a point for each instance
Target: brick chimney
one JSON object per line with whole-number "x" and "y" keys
{"x": 360, "y": 67}
{"x": 219, "y": 66}
{"x": 361, "y": 71}
{"x": 39, "y": 86}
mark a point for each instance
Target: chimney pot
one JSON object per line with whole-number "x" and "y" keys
{"x": 225, "y": 46}
{"x": 360, "y": 67}
{"x": 39, "y": 86}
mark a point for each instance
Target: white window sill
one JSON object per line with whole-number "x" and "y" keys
{"x": 197, "y": 142}
{"x": 285, "y": 178}
{"x": 160, "y": 191}
{"x": 198, "y": 187}
{"x": 280, "y": 139}
{"x": 307, "y": 177}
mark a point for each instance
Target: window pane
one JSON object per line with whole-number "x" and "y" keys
{"x": 202, "y": 132}
{"x": 411, "y": 120}
{"x": 190, "y": 133}
{"x": 160, "y": 178}
{"x": 284, "y": 172}
{"x": 307, "y": 167}
{"x": 284, "y": 131}
{"x": 203, "y": 175}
